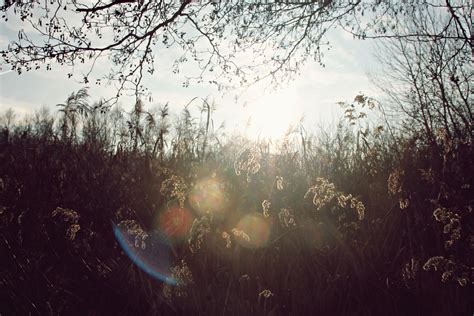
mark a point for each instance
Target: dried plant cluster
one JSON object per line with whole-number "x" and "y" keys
{"x": 184, "y": 279}
{"x": 133, "y": 229}
{"x": 69, "y": 219}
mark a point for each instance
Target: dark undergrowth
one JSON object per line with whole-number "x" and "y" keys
{"x": 358, "y": 222}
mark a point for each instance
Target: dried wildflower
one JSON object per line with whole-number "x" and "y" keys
{"x": 403, "y": 203}
{"x": 378, "y": 130}
{"x": 360, "y": 98}
{"x": 437, "y": 262}
{"x": 244, "y": 277}
{"x": 279, "y": 183}
{"x": 427, "y": 175}
{"x": 454, "y": 227}
{"x": 452, "y": 271}
{"x": 360, "y": 210}
{"x": 174, "y": 187}
{"x": 452, "y": 224}
{"x": 266, "y": 294}
{"x": 72, "y": 231}
{"x": 228, "y": 242}
{"x": 266, "y": 208}
{"x": 353, "y": 202}
{"x": 463, "y": 280}
{"x": 359, "y": 207}
{"x": 248, "y": 161}
{"x": 133, "y": 229}
{"x": 69, "y": 218}
{"x": 343, "y": 199}
{"x": 182, "y": 274}
{"x": 241, "y": 234}
{"x": 394, "y": 181}
{"x": 66, "y": 215}
{"x": 183, "y": 278}
{"x": 409, "y": 271}
{"x": 440, "y": 214}
{"x": 168, "y": 292}
{"x": 447, "y": 276}
{"x": 454, "y": 221}
{"x": 287, "y": 219}
{"x": 200, "y": 228}
{"x": 323, "y": 192}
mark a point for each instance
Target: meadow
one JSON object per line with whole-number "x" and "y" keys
{"x": 147, "y": 212}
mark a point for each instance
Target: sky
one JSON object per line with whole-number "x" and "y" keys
{"x": 259, "y": 111}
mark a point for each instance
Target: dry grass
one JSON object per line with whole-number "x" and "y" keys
{"x": 339, "y": 228}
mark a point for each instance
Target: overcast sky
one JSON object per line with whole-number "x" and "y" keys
{"x": 311, "y": 95}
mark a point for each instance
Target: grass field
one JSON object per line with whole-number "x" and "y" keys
{"x": 141, "y": 214}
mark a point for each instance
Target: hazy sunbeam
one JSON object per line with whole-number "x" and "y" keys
{"x": 271, "y": 115}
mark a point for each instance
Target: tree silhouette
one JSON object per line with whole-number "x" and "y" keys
{"x": 231, "y": 42}
{"x": 429, "y": 81}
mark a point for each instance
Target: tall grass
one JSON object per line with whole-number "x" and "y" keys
{"x": 363, "y": 221}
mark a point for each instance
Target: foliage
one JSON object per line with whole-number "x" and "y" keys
{"x": 259, "y": 246}
{"x": 230, "y": 42}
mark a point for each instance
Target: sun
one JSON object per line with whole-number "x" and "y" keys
{"x": 271, "y": 115}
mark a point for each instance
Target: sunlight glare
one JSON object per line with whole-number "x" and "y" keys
{"x": 154, "y": 259}
{"x": 271, "y": 115}
{"x": 175, "y": 223}
{"x": 257, "y": 229}
{"x": 208, "y": 195}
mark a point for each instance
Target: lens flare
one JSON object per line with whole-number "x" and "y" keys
{"x": 257, "y": 230}
{"x": 175, "y": 223}
{"x": 154, "y": 259}
{"x": 209, "y": 196}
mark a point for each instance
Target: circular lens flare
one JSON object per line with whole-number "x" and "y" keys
{"x": 154, "y": 259}
{"x": 208, "y": 196}
{"x": 175, "y": 223}
{"x": 255, "y": 228}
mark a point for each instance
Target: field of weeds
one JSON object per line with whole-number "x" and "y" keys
{"x": 145, "y": 214}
